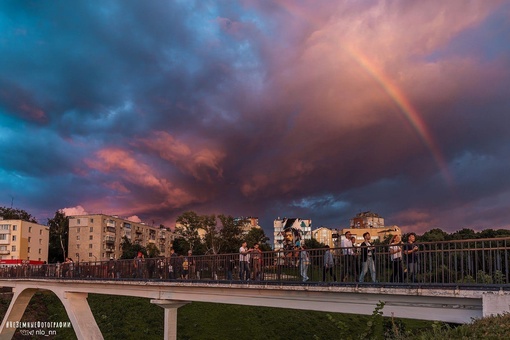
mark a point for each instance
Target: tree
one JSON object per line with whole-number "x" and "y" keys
{"x": 464, "y": 234}
{"x": 59, "y": 237}
{"x": 189, "y": 223}
{"x": 257, "y": 235}
{"x": 16, "y": 214}
{"x": 129, "y": 250}
{"x": 212, "y": 239}
{"x": 314, "y": 244}
{"x": 433, "y": 235}
{"x": 230, "y": 235}
{"x": 152, "y": 250}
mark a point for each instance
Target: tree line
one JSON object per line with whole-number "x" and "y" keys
{"x": 218, "y": 239}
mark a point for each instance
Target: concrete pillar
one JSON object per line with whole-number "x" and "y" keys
{"x": 495, "y": 303}
{"x": 81, "y": 317}
{"x": 17, "y": 307}
{"x": 170, "y": 316}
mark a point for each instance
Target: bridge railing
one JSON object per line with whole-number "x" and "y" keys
{"x": 476, "y": 262}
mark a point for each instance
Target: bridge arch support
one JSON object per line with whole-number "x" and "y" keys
{"x": 75, "y": 304}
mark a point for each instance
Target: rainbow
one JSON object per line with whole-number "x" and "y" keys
{"x": 397, "y": 96}
{"x": 410, "y": 113}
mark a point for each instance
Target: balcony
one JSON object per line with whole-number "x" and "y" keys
{"x": 110, "y": 230}
{"x": 109, "y": 239}
{"x": 4, "y": 252}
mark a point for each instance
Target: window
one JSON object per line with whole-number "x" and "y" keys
{"x": 29, "y": 229}
{"x": 78, "y": 237}
{"x": 90, "y": 246}
{"x": 14, "y": 227}
{"x": 78, "y": 229}
{"x": 90, "y": 254}
{"x": 40, "y": 251}
{"x": 3, "y": 237}
{"x": 91, "y": 220}
{"x": 4, "y": 227}
{"x": 13, "y": 248}
{"x": 3, "y": 247}
{"x": 40, "y": 231}
{"x": 13, "y": 238}
{"x": 29, "y": 249}
{"x": 77, "y": 221}
{"x": 91, "y": 237}
{"x": 29, "y": 239}
{"x": 91, "y": 229}
{"x": 77, "y": 246}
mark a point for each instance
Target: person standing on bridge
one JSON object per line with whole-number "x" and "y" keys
{"x": 328, "y": 265}
{"x": 367, "y": 258}
{"x": 410, "y": 249}
{"x": 138, "y": 265}
{"x": 304, "y": 261}
{"x": 244, "y": 262}
{"x": 349, "y": 258}
{"x": 396, "y": 259}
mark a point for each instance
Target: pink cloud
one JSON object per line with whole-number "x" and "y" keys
{"x": 195, "y": 160}
{"x": 132, "y": 171}
{"x": 73, "y": 211}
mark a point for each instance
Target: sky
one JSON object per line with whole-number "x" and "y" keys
{"x": 317, "y": 110}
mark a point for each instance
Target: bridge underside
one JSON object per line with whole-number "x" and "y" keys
{"x": 448, "y": 305}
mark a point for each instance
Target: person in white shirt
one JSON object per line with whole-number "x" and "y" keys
{"x": 396, "y": 259}
{"x": 244, "y": 262}
{"x": 349, "y": 268}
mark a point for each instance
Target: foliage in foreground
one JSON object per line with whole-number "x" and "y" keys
{"x": 121, "y": 317}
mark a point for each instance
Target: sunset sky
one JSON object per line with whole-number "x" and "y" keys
{"x": 310, "y": 109}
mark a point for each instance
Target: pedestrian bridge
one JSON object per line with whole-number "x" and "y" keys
{"x": 453, "y": 282}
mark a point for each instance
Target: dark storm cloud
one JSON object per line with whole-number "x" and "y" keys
{"x": 258, "y": 108}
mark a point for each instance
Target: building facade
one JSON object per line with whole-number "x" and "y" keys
{"x": 368, "y": 222}
{"x": 324, "y": 235}
{"x": 23, "y": 242}
{"x": 98, "y": 237}
{"x": 247, "y": 223}
{"x": 291, "y": 232}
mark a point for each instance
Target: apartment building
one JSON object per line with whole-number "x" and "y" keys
{"x": 325, "y": 235}
{"x": 23, "y": 242}
{"x": 98, "y": 237}
{"x": 247, "y": 223}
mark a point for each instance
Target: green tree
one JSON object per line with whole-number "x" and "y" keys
{"x": 129, "y": 250}
{"x": 314, "y": 244}
{"x": 16, "y": 214}
{"x": 257, "y": 235}
{"x": 433, "y": 235}
{"x": 189, "y": 223}
{"x": 212, "y": 235}
{"x": 230, "y": 235}
{"x": 152, "y": 250}
{"x": 59, "y": 237}
{"x": 464, "y": 234}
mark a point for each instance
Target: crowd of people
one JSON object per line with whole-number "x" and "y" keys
{"x": 352, "y": 262}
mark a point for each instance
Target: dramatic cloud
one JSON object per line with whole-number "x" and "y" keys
{"x": 268, "y": 109}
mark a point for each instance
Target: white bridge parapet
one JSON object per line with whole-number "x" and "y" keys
{"x": 448, "y": 304}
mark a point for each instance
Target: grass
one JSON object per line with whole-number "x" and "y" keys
{"x": 127, "y": 318}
